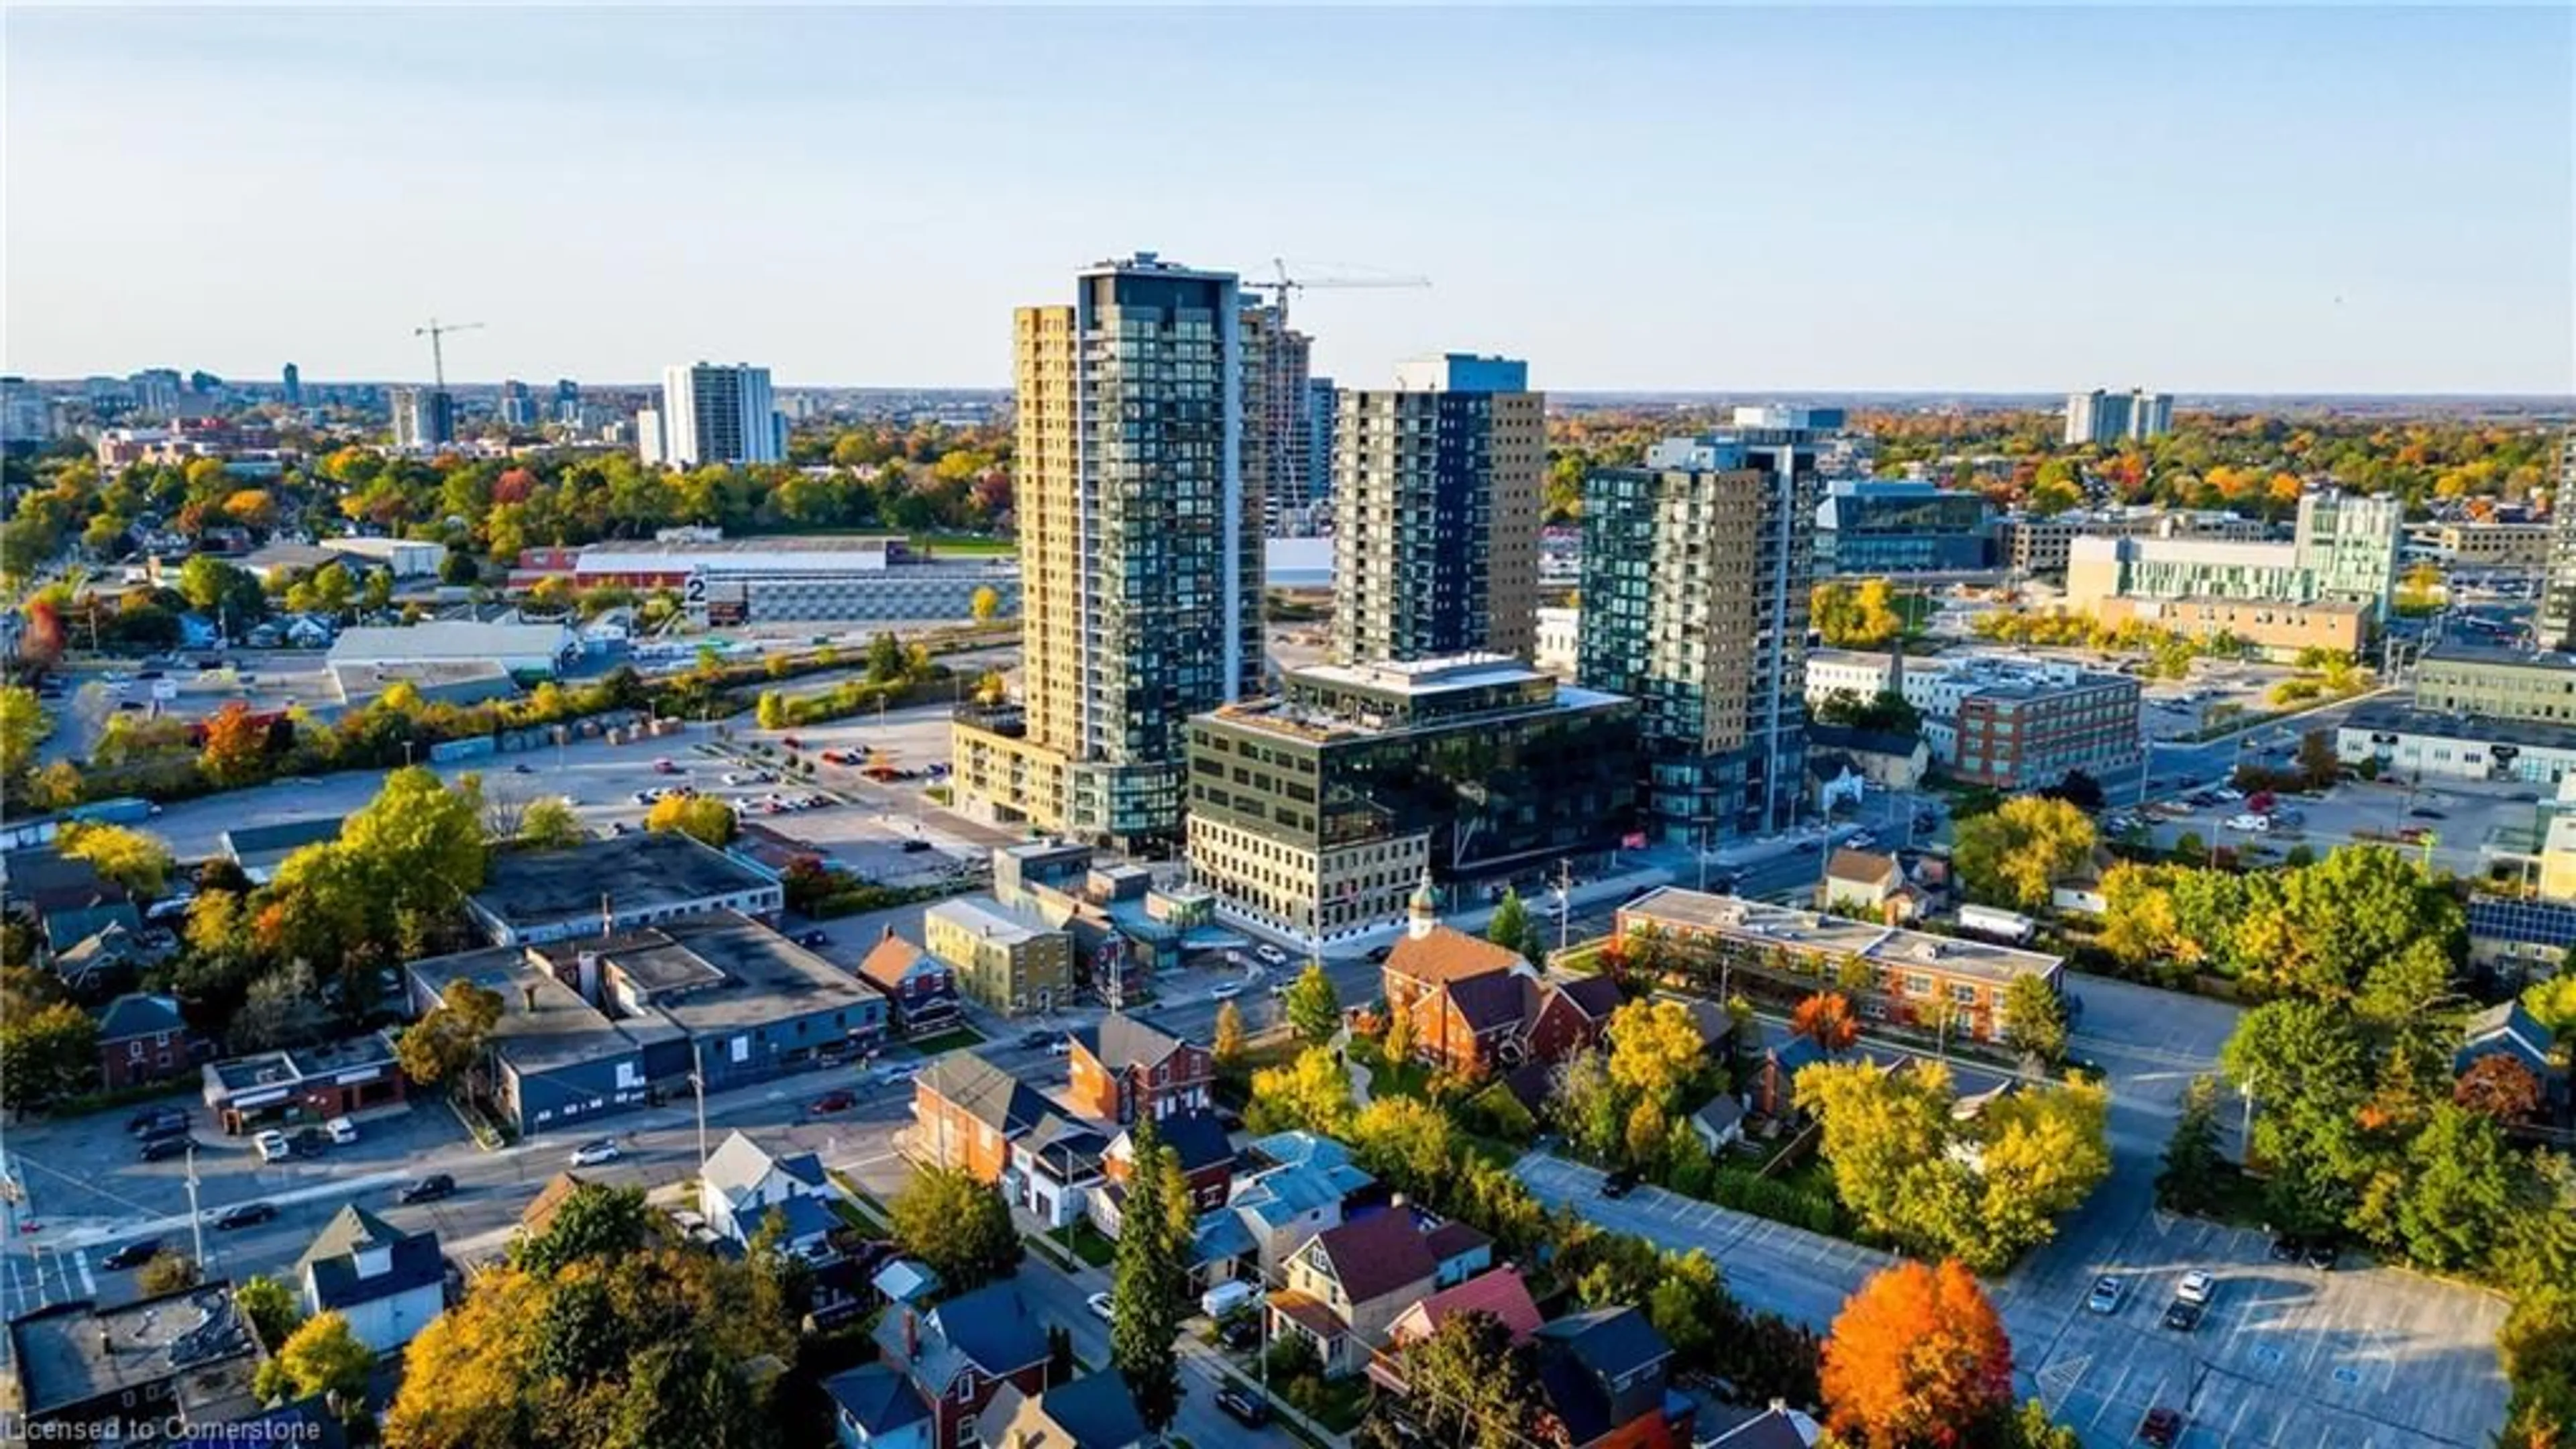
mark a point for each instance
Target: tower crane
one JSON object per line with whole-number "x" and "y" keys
{"x": 434, "y": 331}
{"x": 1287, "y": 284}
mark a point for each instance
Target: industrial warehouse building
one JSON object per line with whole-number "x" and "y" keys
{"x": 772, "y": 580}
{"x": 517, "y": 648}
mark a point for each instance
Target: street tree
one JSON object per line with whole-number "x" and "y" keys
{"x": 1150, "y": 1280}
{"x": 771, "y": 712}
{"x": 704, "y": 818}
{"x": 1916, "y": 1357}
{"x": 1473, "y": 1387}
{"x": 985, "y": 604}
{"x": 957, "y": 1225}
{"x": 1654, "y": 1051}
{"x": 1826, "y": 1019}
{"x": 549, "y": 824}
{"x": 450, "y": 1036}
{"x": 270, "y": 1306}
{"x": 322, "y": 1356}
{"x": 46, "y": 1055}
{"x": 1227, "y": 1047}
{"x": 1314, "y": 1007}
{"x": 2189, "y": 1180}
{"x": 2035, "y": 1019}
{"x": 23, "y": 725}
{"x": 2015, "y": 855}
{"x": 596, "y": 1223}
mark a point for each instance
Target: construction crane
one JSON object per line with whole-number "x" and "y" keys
{"x": 1287, "y": 284}
{"x": 438, "y": 355}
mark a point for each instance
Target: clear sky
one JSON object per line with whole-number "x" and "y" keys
{"x": 1942, "y": 199}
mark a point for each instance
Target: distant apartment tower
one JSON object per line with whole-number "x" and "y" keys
{"x": 517, "y": 406}
{"x": 567, "y": 402}
{"x": 291, "y": 384}
{"x": 2557, "y": 623}
{"x": 1322, "y": 407}
{"x": 24, "y": 416}
{"x": 1275, "y": 440}
{"x": 713, "y": 414}
{"x": 1140, "y": 554}
{"x": 1436, "y": 512}
{"x": 1696, "y": 570}
{"x": 2108, "y": 419}
{"x": 156, "y": 391}
{"x": 424, "y": 417}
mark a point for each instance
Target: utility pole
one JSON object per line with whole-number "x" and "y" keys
{"x": 196, "y": 1219}
{"x": 698, "y": 1084}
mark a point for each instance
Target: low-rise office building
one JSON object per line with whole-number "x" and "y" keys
{"x": 1916, "y": 974}
{"x": 2504, "y": 548}
{"x": 2496, "y": 683}
{"x": 2343, "y": 550}
{"x": 2416, "y": 743}
{"x": 823, "y": 579}
{"x": 1882, "y": 526}
{"x": 1007, "y": 957}
{"x": 619, "y": 883}
{"x": 2275, "y": 628}
{"x": 1317, "y": 811}
{"x": 2028, "y": 730}
{"x": 520, "y": 648}
{"x": 2040, "y": 544}
{"x": 303, "y": 1084}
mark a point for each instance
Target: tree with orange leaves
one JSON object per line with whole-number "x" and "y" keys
{"x": 2498, "y": 1087}
{"x": 235, "y": 740}
{"x": 1917, "y": 1357}
{"x": 1826, "y": 1019}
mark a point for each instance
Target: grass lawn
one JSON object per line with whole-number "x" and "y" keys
{"x": 1088, "y": 1244}
{"x": 948, "y": 1041}
{"x": 1341, "y": 1405}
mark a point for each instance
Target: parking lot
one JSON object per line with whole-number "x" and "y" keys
{"x": 2462, "y": 817}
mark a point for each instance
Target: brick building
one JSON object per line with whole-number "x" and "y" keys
{"x": 1125, "y": 1065}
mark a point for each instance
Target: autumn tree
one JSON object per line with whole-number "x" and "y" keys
{"x": 2498, "y": 1087}
{"x": 957, "y": 1225}
{"x": 271, "y": 1307}
{"x": 1312, "y": 1093}
{"x": 597, "y": 1222}
{"x": 322, "y": 1356}
{"x": 1472, "y": 1386}
{"x": 985, "y": 604}
{"x": 1314, "y": 1007}
{"x": 2014, "y": 855}
{"x": 1654, "y": 1051}
{"x": 2035, "y": 1019}
{"x": 23, "y": 726}
{"x": 1227, "y": 1046}
{"x": 449, "y": 1037}
{"x": 1406, "y": 1143}
{"x": 236, "y": 745}
{"x": 46, "y": 1055}
{"x": 549, "y": 824}
{"x": 2188, "y": 1182}
{"x": 1917, "y": 1357}
{"x": 135, "y": 859}
{"x": 167, "y": 1271}
{"x": 1826, "y": 1019}
{"x": 704, "y": 818}
{"x": 770, "y": 713}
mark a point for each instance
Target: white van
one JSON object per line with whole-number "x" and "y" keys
{"x": 342, "y": 1130}
{"x": 1225, "y": 1298}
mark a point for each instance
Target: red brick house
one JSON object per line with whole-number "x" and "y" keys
{"x": 1196, "y": 1138}
{"x": 920, "y": 988}
{"x": 142, "y": 1039}
{"x": 1474, "y": 1006}
{"x": 1124, "y": 1066}
{"x": 967, "y": 1113}
{"x": 959, "y": 1354}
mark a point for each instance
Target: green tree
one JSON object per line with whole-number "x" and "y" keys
{"x": 2309, "y": 1068}
{"x": 270, "y": 1306}
{"x": 1510, "y": 926}
{"x": 598, "y": 1223}
{"x": 2189, "y": 1179}
{"x": 1151, "y": 1278}
{"x": 418, "y": 846}
{"x": 2461, "y": 1193}
{"x": 2138, "y": 920}
{"x": 323, "y": 1356}
{"x": 23, "y": 726}
{"x": 2035, "y": 1019}
{"x": 139, "y": 861}
{"x": 2014, "y": 856}
{"x": 1584, "y": 1104}
{"x": 1471, "y": 1385}
{"x": 283, "y": 1009}
{"x": 958, "y": 1226}
{"x": 1314, "y": 1007}
{"x": 771, "y": 712}
{"x": 450, "y": 1036}
{"x": 1406, "y": 1143}
{"x": 885, "y": 659}
{"x": 549, "y": 824}
{"x": 1313, "y": 1093}
{"x": 47, "y": 1055}
{"x": 679, "y": 1393}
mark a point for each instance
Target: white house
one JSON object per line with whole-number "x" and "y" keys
{"x": 386, "y": 1282}
{"x": 743, "y": 1182}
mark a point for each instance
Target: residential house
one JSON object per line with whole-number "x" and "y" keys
{"x": 386, "y": 1282}
{"x": 1863, "y": 885}
{"x": 1561, "y": 1018}
{"x": 1458, "y": 1252}
{"x": 1055, "y": 1167}
{"x": 1776, "y": 1426}
{"x": 876, "y": 1407}
{"x": 1602, "y": 1378}
{"x": 105, "y": 941}
{"x": 2510, "y": 1030}
{"x": 920, "y": 987}
{"x": 1500, "y": 1294}
{"x": 1297, "y": 1187}
{"x": 1199, "y": 1142}
{"x": 142, "y": 1039}
{"x": 743, "y": 1183}
{"x": 1475, "y": 1006}
{"x": 966, "y": 1113}
{"x": 1095, "y": 1411}
{"x": 260, "y": 849}
{"x": 1346, "y": 1286}
{"x": 539, "y": 1214}
{"x": 1775, "y": 1081}
{"x": 1886, "y": 760}
{"x": 960, "y": 1353}
{"x": 1126, "y": 1065}
{"x": 1719, "y": 1122}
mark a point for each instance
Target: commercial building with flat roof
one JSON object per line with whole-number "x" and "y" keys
{"x": 2344, "y": 550}
{"x": 2277, "y": 629}
{"x": 623, "y": 881}
{"x": 1318, "y": 811}
{"x": 2427, "y": 744}
{"x": 2040, "y": 543}
{"x": 1007, "y": 957}
{"x": 2028, "y": 730}
{"x": 519, "y": 648}
{"x": 303, "y": 1084}
{"x": 1914, "y": 974}
{"x": 170, "y": 1366}
{"x": 1897, "y": 526}
{"x": 2497, "y": 683}
{"x": 801, "y": 579}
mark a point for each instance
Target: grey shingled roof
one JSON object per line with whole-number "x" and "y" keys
{"x": 332, "y": 1260}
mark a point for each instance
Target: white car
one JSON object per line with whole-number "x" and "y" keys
{"x": 273, "y": 1146}
{"x": 733, "y": 777}
{"x": 1226, "y": 991}
{"x": 1101, "y": 1307}
{"x": 595, "y": 1152}
{"x": 342, "y": 1130}
{"x": 2228, "y": 793}
{"x": 2256, "y": 824}
{"x": 2196, "y": 1287}
{"x": 1271, "y": 954}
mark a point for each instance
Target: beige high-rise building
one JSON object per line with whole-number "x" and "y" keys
{"x": 1436, "y": 487}
{"x": 1140, "y": 554}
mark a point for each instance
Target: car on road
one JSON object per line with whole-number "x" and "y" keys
{"x": 915, "y": 846}
{"x": 1862, "y": 841}
{"x": 1243, "y": 1407}
{"x": 1059, "y": 1047}
{"x": 2322, "y": 1255}
{"x": 1225, "y": 991}
{"x": 893, "y": 1072}
{"x": 523, "y": 768}
{"x": 2287, "y": 1248}
{"x": 157, "y": 1122}
{"x": 2109, "y": 1292}
{"x": 2197, "y": 1287}
{"x": 594, "y": 1152}
{"x": 1100, "y": 1307}
{"x": 811, "y": 939}
{"x": 1619, "y": 1184}
{"x": 1271, "y": 954}
{"x": 2228, "y": 793}
{"x": 831, "y": 1102}
{"x": 273, "y": 1146}
{"x": 342, "y": 1130}
{"x": 2182, "y": 1317}
{"x": 131, "y": 1255}
{"x": 2423, "y": 814}
{"x": 428, "y": 1189}
{"x": 162, "y": 1149}
{"x": 1032, "y": 1040}
{"x": 245, "y": 1214}
{"x": 2161, "y": 1427}
{"x": 666, "y": 767}
{"x": 2250, "y": 822}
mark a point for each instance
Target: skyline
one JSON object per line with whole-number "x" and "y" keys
{"x": 2378, "y": 205}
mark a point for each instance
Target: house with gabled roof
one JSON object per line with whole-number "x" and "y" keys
{"x": 1603, "y": 1383}
{"x": 1474, "y": 1006}
{"x": 2508, "y": 1029}
{"x": 1126, "y": 1065}
{"x": 960, "y": 1353}
{"x": 142, "y": 1039}
{"x": 1096, "y": 1411}
{"x": 388, "y": 1283}
{"x": 1499, "y": 1294}
{"x": 1198, "y": 1142}
{"x": 1055, "y": 1168}
{"x": 921, "y": 988}
{"x": 875, "y": 1406}
{"x": 968, "y": 1112}
{"x": 743, "y": 1183}
{"x": 1345, "y": 1287}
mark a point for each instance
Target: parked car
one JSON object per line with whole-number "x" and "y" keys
{"x": 1619, "y": 1184}
{"x": 1100, "y": 1307}
{"x": 666, "y": 767}
{"x": 131, "y": 1255}
{"x": 162, "y": 1149}
{"x": 1380, "y": 953}
{"x": 157, "y": 1122}
{"x": 1240, "y": 1332}
{"x": 2109, "y": 1291}
{"x": 915, "y": 846}
{"x": 2197, "y": 1287}
{"x": 2250, "y": 822}
{"x": 811, "y": 939}
{"x": 2161, "y": 1427}
{"x": 893, "y": 1072}
{"x": 1033, "y": 1040}
{"x": 2423, "y": 814}
{"x": 429, "y": 1189}
{"x": 594, "y": 1152}
{"x": 342, "y": 1130}
{"x": 831, "y": 1102}
{"x": 273, "y": 1146}
{"x": 1226, "y": 991}
{"x": 1271, "y": 954}
{"x": 308, "y": 1142}
{"x": 1243, "y": 1407}
{"x": 245, "y": 1214}
{"x": 2288, "y": 1249}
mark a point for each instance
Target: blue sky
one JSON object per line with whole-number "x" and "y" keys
{"x": 1942, "y": 199}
